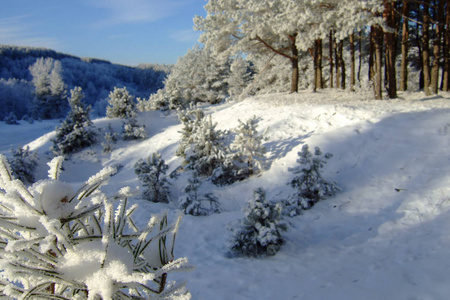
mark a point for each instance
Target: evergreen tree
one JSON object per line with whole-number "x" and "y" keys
{"x": 110, "y": 137}
{"x": 132, "y": 130}
{"x": 243, "y": 159}
{"x": 206, "y": 152}
{"x": 58, "y": 243}
{"x": 50, "y": 89}
{"x": 76, "y": 131}
{"x": 191, "y": 119}
{"x": 239, "y": 77}
{"x": 23, "y": 163}
{"x": 198, "y": 205}
{"x": 11, "y": 119}
{"x": 310, "y": 186}
{"x": 260, "y": 231}
{"x": 151, "y": 172}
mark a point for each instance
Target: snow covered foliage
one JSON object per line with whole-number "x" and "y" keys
{"x": 77, "y": 130}
{"x": 11, "y": 119}
{"x": 196, "y": 204}
{"x": 244, "y": 157}
{"x": 50, "y": 89}
{"x": 132, "y": 130}
{"x": 23, "y": 164}
{"x": 196, "y": 77}
{"x": 206, "y": 151}
{"x": 309, "y": 184}
{"x": 61, "y": 243}
{"x": 110, "y": 138}
{"x": 121, "y": 104}
{"x": 239, "y": 77}
{"x": 151, "y": 172}
{"x": 191, "y": 118}
{"x": 260, "y": 231}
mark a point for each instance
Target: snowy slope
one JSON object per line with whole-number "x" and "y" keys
{"x": 386, "y": 235}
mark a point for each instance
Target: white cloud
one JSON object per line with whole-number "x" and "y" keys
{"x": 136, "y": 11}
{"x": 16, "y": 31}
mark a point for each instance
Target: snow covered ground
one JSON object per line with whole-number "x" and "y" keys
{"x": 386, "y": 235}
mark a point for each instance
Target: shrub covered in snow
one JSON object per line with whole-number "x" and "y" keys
{"x": 110, "y": 138}
{"x": 245, "y": 154}
{"x": 198, "y": 205}
{"x": 76, "y": 131}
{"x": 11, "y": 119}
{"x": 151, "y": 172}
{"x": 61, "y": 243}
{"x": 260, "y": 231}
{"x": 309, "y": 184}
{"x": 132, "y": 130}
{"x": 23, "y": 163}
{"x": 191, "y": 118}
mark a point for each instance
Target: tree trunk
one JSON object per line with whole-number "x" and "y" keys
{"x": 352, "y": 61}
{"x": 437, "y": 48}
{"x": 425, "y": 48}
{"x": 371, "y": 53}
{"x": 377, "y": 33}
{"x": 294, "y": 62}
{"x": 319, "y": 79}
{"x": 446, "y": 69}
{"x": 342, "y": 64}
{"x": 337, "y": 61}
{"x": 331, "y": 42}
{"x": 389, "y": 16}
{"x": 360, "y": 56}
{"x": 405, "y": 37}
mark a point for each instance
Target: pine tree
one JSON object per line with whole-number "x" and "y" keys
{"x": 110, "y": 137}
{"x": 310, "y": 186}
{"x": 58, "y": 243}
{"x": 196, "y": 204}
{"x": 23, "y": 164}
{"x": 121, "y": 104}
{"x": 11, "y": 119}
{"x": 191, "y": 119}
{"x": 76, "y": 131}
{"x": 151, "y": 172}
{"x": 260, "y": 231}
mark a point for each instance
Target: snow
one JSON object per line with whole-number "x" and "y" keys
{"x": 385, "y": 235}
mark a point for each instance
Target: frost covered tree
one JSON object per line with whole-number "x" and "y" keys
{"x": 244, "y": 157}
{"x": 110, "y": 138}
{"x": 260, "y": 231}
{"x": 61, "y": 243}
{"x": 239, "y": 77}
{"x": 191, "y": 118}
{"x": 11, "y": 119}
{"x": 77, "y": 130}
{"x": 122, "y": 105}
{"x": 196, "y": 77}
{"x": 50, "y": 89}
{"x": 196, "y": 204}
{"x": 205, "y": 152}
{"x": 151, "y": 172}
{"x": 309, "y": 184}
{"x": 23, "y": 164}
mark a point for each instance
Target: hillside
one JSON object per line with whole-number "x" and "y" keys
{"x": 96, "y": 77}
{"x": 385, "y": 235}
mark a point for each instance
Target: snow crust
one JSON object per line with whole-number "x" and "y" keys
{"x": 385, "y": 235}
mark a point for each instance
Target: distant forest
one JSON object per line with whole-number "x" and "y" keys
{"x": 96, "y": 77}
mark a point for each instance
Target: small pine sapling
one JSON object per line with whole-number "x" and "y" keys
{"x": 61, "y": 243}
{"x": 23, "y": 163}
{"x": 132, "y": 130}
{"x": 121, "y": 104}
{"x": 151, "y": 172}
{"x": 76, "y": 131}
{"x": 198, "y": 205}
{"x": 11, "y": 119}
{"x": 111, "y": 138}
{"x": 310, "y": 186}
{"x": 260, "y": 231}
{"x": 245, "y": 155}
{"x": 191, "y": 119}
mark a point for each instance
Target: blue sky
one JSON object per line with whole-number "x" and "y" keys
{"x": 121, "y": 31}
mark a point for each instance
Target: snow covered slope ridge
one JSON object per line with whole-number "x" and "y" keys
{"x": 386, "y": 235}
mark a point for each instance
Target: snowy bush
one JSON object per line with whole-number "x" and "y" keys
{"x": 260, "y": 231}
{"x": 132, "y": 130}
{"x": 121, "y": 104}
{"x": 61, "y": 243}
{"x": 110, "y": 138}
{"x": 310, "y": 186}
{"x": 191, "y": 118}
{"x": 23, "y": 163}
{"x": 198, "y": 205}
{"x": 11, "y": 119}
{"x": 244, "y": 157}
{"x": 151, "y": 172}
{"x": 76, "y": 131}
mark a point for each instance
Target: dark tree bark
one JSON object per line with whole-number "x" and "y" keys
{"x": 341, "y": 63}
{"x": 389, "y": 16}
{"x": 446, "y": 69}
{"x": 318, "y": 82}
{"x": 337, "y": 61}
{"x": 331, "y": 43}
{"x": 425, "y": 48}
{"x": 405, "y": 37}
{"x": 437, "y": 48}
{"x": 371, "y": 53}
{"x": 360, "y": 56}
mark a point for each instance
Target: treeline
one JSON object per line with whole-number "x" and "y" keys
{"x": 348, "y": 42}
{"x": 96, "y": 77}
